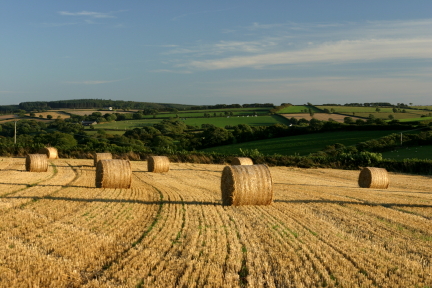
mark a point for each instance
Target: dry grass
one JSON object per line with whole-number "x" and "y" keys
{"x": 320, "y": 116}
{"x": 10, "y": 116}
{"x": 54, "y": 114}
{"x": 322, "y": 230}
{"x": 83, "y": 112}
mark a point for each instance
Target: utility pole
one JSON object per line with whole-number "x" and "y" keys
{"x": 15, "y": 134}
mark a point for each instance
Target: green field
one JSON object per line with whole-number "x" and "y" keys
{"x": 297, "y": 109}
{"x": 127, "y": 124}
{"x": 234, "y": 120}
{"x": 217, "y": 121}
{"x": 419, "y": 152}
{"x": 423, "y": 107}
{"x": 302, "y": 144}
{"x": 417, "y": 119}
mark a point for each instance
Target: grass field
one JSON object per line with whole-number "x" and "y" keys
{"x": 416, "y": 119}
{"x": 419, "y": 152}
{"x": 128, "y": 124}
{"x": 170, "y": 230}
{"x": 234, "y": 120}
{"x": 423, "y": 107}
{"x": 217, "y": 121}
{"x": 302, "y": 144}
{"x": 297, "y": 109}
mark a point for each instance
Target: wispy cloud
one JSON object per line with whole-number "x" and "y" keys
{"x": 224, "y": 47}
{"x": 162, "y": 45}
{"x": 91, "y": 82}
{"x": 58, "y": 24}
{"x": 339, "y": 52}
{"x": 291, "y": 44}
{"x": 171, "y": 71}
{"x": 200, "y": 12}
{"x": 88, "y": 14}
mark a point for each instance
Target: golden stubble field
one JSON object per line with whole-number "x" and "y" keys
{"x": 170, "y": 230}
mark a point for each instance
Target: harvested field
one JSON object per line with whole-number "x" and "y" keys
{"x": 170, "y": 230}
{"x": 54, "y": 114}
{"x": 83, "y": 112}
{"x": 320, "y": 116}
{"x": 10, "y": 116}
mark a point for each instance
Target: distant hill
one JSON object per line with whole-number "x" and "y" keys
{"x": 8, "y": 109}
{"x": 98, "y": 103}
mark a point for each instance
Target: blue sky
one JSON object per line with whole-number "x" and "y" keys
{"x": 211, "y": 52}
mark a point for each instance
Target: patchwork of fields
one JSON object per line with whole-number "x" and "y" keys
{"x": 170, "y": 229}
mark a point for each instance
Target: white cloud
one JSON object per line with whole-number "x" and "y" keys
{"x": 335, "y": 52}
{"x": 199, "y": 12}
{"x": 171, "y": 71}
{"x": 88, "y": 14}
{"x": 91, "y": 82}
{"x": 297, "y": 43}
{"x": 223, "y": 47}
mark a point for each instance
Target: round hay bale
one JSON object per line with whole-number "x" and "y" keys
{"x": 158, "y": 164}
{"x": 246, "y": 185}
{"x": 241, "y": 161}
{"x": 101, "y": 156}
{"x": 371, "y": 177}
{"x": 37, "y": 163}
{"x": 51, "y": 152}
{"x": 113, "y": 173}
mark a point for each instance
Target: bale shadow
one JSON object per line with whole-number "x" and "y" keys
{"x": 207, "y": 203}
{"x": 353, "y": 202}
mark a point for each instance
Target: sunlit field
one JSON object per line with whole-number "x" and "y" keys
{"x": 170, "y": 230}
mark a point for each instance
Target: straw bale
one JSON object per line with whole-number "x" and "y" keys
{"x": 246, "y": 185}
{"x": 158, "y": 164}
{"x": 372, "y": 177}
{"x": 113, "y": 173}
{"x": 101, "y": 156}
{"x": 241, "y": 161}
{"x": 37, "y": 163}
{"x": 51, "y": 152}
